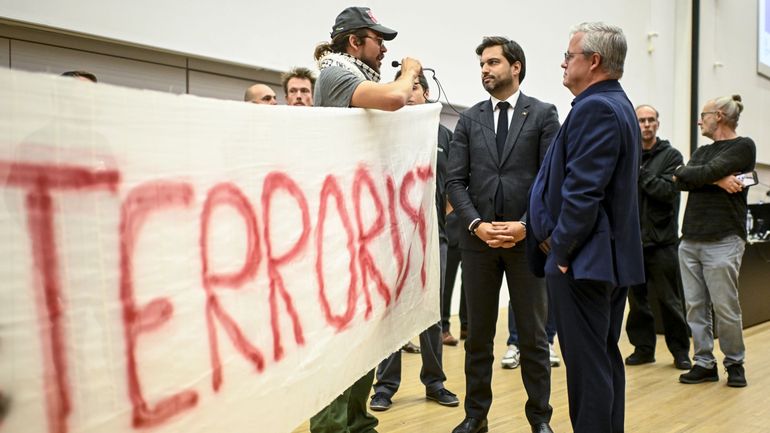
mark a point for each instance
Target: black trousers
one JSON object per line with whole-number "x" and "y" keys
{"x": 452, "y": 263}
{"x": 482, "y": 276}
{"x": 661, "y": 266}
{"x": 431, "y": 373}
{"x": 431, "y": 346}
{"x": 589, "y": 319}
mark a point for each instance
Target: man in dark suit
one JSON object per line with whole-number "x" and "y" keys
{"x": 496, "y": 151}
{"x": 584, "y": 220}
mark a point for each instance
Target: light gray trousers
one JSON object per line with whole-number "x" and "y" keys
{"x": 710, "y": 279}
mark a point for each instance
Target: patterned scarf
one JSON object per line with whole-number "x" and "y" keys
{"x": 352, "y": 64}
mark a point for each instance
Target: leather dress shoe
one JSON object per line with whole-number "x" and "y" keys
{"x": 448, "y": 339}
{"x": 410, "y": 347}
{"x": 543, "y": 427}
{"x": 472, "y": 425}
{"x": 638, "y": 358}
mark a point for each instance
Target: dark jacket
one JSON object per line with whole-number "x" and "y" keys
{"x": 476, "y": 171}
{"x": 658, "y": 196}
{"x": 444, "y": 138}
{"x": 584, "y": 197}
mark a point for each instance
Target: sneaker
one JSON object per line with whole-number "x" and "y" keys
{"x": 448, "y": 339}
{"x": 700, "y": 374}
{"x": 736, "y": 376}
{"x": 511, "y": 358}
{"x": 553, "y": 357}
{"x": 410, "y": 348}
{"x": 682, "y": 361}
{"x": 443, "y": 397}
{"x": 380, "y": 402}
{"x": 639, "y": 358}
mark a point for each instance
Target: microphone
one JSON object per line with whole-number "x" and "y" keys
{"x": 396, "y": 63}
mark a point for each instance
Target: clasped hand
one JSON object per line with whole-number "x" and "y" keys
{"x": 501, "y": 234}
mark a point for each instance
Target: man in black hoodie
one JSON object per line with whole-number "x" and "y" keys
{"x": 658, "y": 216}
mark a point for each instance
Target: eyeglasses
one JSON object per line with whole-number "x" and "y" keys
{"x": 568, "y": 56}
{"x": 703, "y": 114}
{"x": 644, "y": 120}
{"x": 376, "y": 39}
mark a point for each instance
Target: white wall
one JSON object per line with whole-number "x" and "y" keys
{"x": 276, "y": 36}
{"x": 280, "y": 35}
{"x": 728, "y": 65}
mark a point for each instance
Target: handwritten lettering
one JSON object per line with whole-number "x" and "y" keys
{"x": 39, "y": 181}
{"x": 139, "y": 204}
{"x": 364, "y": 217}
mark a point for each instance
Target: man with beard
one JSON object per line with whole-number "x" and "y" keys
{"x": 350, "y": 75}
{"x": 350, "y": 65}
{"x": 496, "y": 151}
{"x": 658, "y": 216}
{"x": 298, "y": 87}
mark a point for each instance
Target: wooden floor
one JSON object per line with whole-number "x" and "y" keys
{"x": 655, "y": 401}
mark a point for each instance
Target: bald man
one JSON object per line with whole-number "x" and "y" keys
{"x": 260, "y": 94}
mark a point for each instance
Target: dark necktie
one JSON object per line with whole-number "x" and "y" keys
{"x": 502, "y": 134}
{"x": 502, "y": 127}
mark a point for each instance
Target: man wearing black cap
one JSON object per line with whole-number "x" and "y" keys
{"x": 350, "y": 65}
{"x": 350, "y": 75}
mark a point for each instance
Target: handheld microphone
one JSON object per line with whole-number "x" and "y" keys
{"x": 396, "y": 63}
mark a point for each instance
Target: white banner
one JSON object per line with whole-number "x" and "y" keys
{"x": 180, "y": 264}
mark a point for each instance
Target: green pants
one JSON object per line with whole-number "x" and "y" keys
{"x": 347, "y": 413}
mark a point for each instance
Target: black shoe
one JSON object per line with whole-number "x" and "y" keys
{"x": 410, "y": 348}
{"x": 736, "y": 376}
{"x": 543, "y": 427}
{"x": 443, "y": 397}
{"x": 700, "y": 374}
{"x": 638, "y": 358}
{"x": 472, "y": 425}
{"x": 463, "y": 334}
{"x": 380, "y": 402}
{"x": 682, "y": 361}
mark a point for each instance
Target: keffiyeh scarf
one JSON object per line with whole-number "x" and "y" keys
{"x": 350, "y": 63}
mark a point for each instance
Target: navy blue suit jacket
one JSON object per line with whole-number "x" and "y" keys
{"x": 585, "y": 195}
{"x": 476, "y": 171}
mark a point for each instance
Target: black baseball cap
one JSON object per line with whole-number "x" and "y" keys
{"x": 360, "y": 18}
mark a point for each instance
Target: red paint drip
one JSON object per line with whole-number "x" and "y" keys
{"x": 227, "y": 194}
{"x": 136, "y": 209}
{"x": 364, "y": 179}
{"x": 417, "y": 215}
{"x": 277, "y": 181}
{"x": 39, "y": 180}
{"x": 395, "y": 238}
{"x": 331, "y": 188}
